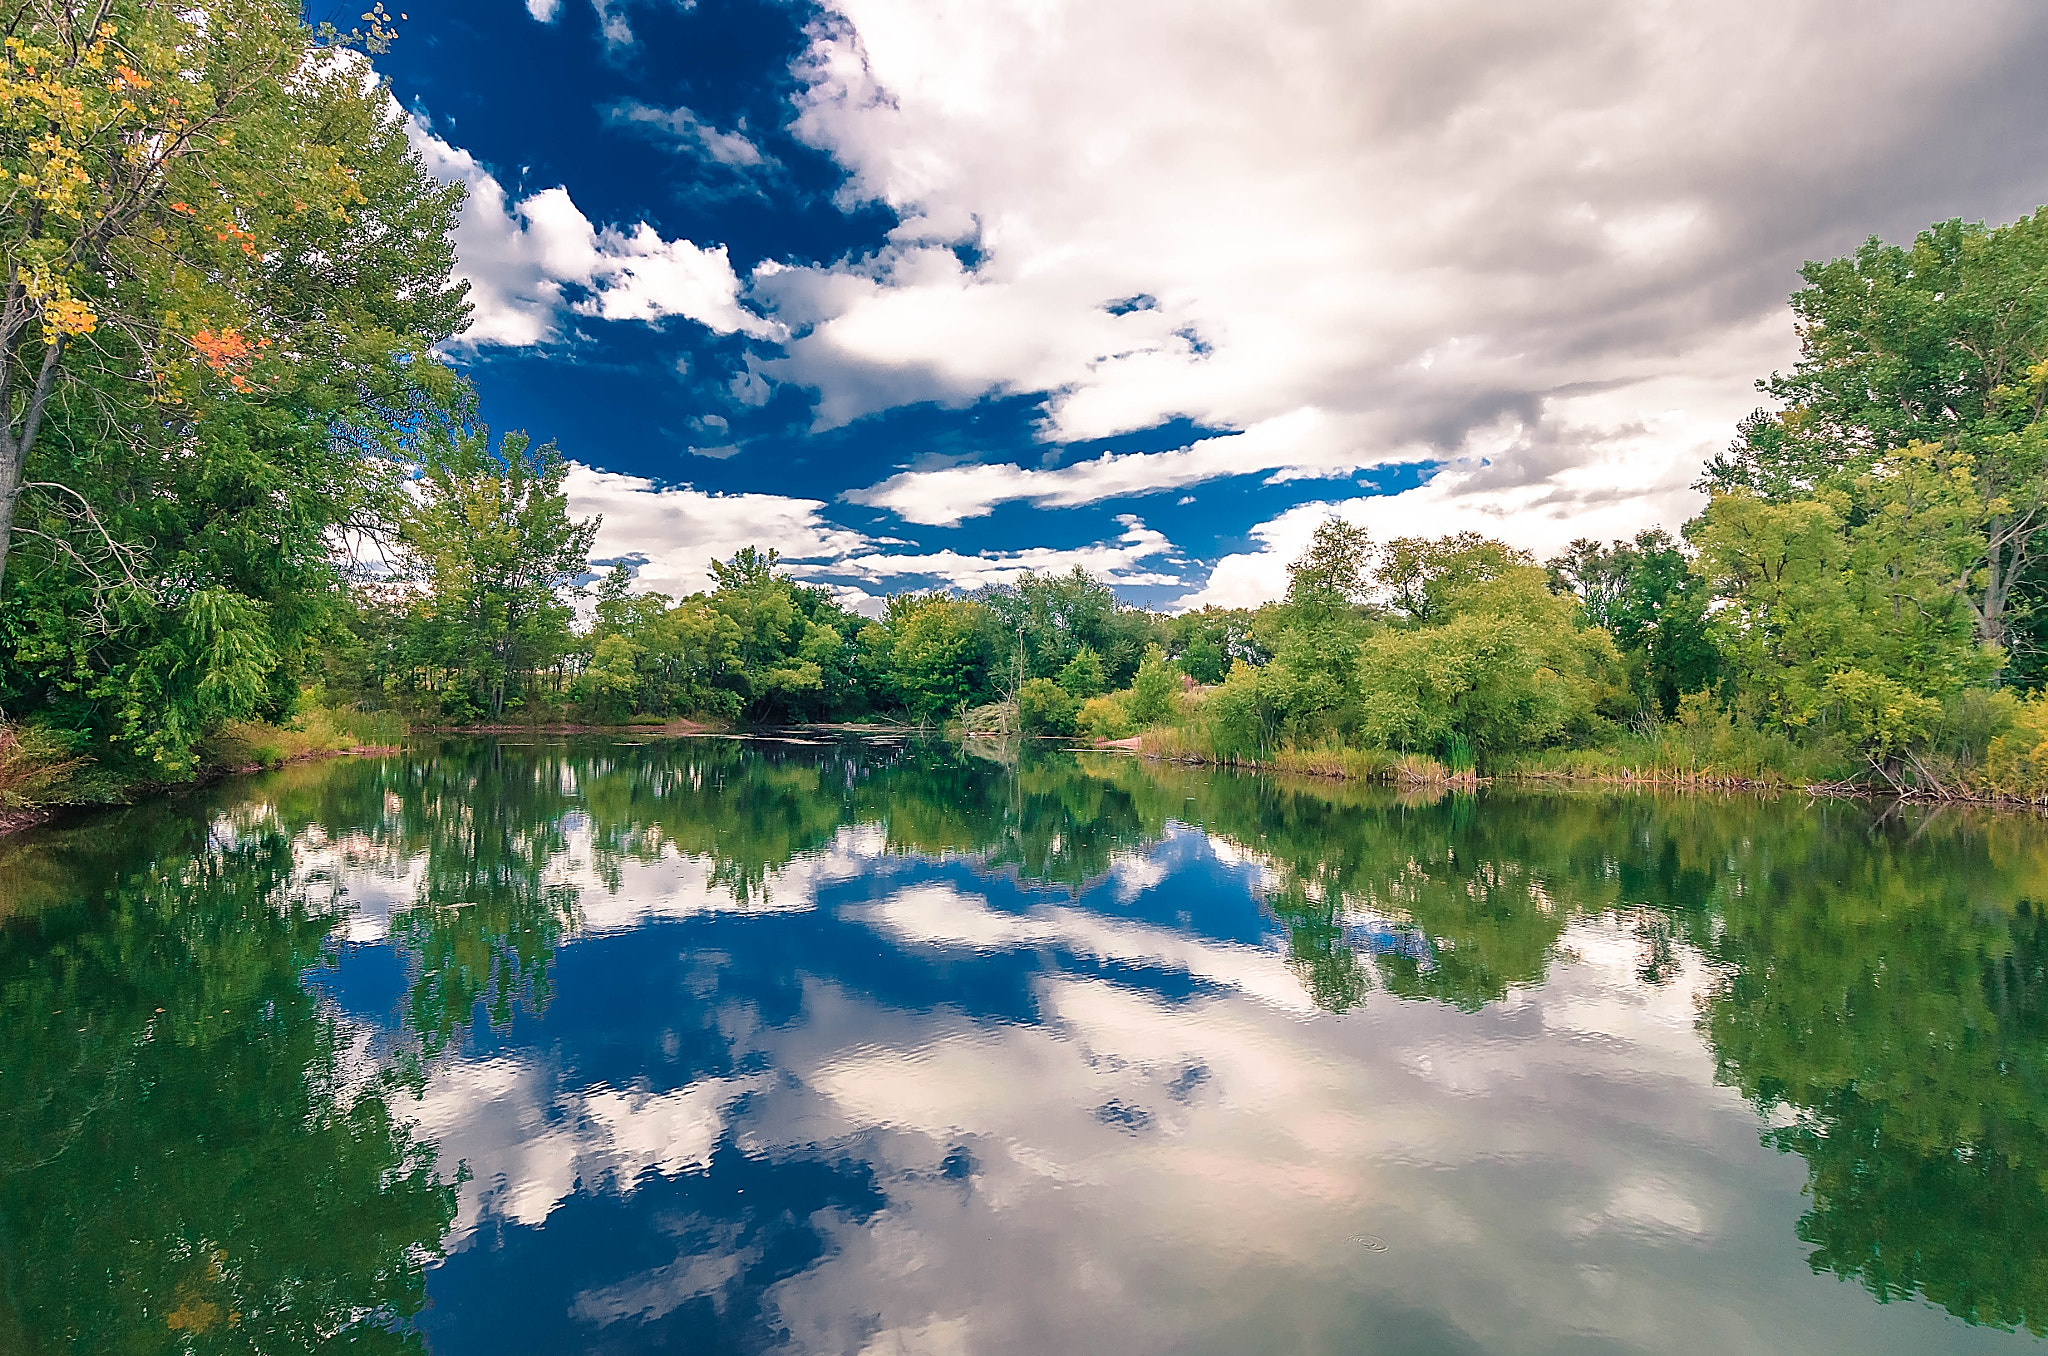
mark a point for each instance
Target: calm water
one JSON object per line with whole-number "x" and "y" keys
{"x": 727, "y": 1046}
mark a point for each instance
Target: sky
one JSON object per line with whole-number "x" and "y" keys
{"x": 929, "y": 293}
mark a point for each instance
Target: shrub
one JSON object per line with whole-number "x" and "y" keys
{"x": 1881, "y": 716}
{"x": 1150, "y": 699}
{"x": 2016, "y": 763}
{"x": 37, "y": 765}
{"x": 1046, "y": 708}
{"x": 1106, "y": 717}
{"x": 1083, "y": 677}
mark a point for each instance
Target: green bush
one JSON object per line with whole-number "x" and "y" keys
{"x": 1107, "y": 717}
{"x": 1083, "y": 677}
{"x": 1151, "y": 697}
{"x": 1046, "y": 708}
{"x": 2016, "y": 763}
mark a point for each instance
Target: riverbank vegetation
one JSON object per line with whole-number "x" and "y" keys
{"x": 244, "y": 507}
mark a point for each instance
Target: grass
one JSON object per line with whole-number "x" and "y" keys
{"x": 38, "y": 767}
{"x": 242, "y": 744}
{"x": 1176, "y": 744}
{"x": 42, "y": 768}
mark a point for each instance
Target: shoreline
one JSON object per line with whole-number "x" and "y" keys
{"x": 1627, "y": 779}
{"x": 32, "y": 817}
{"x": 678, "y": 726}
{"x": 22, "y": 820}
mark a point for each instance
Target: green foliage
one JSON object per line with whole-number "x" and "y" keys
{"x": 1334, "y": 574}
{"x": 1647, "y": 596}
{"x": 1105, "y": 717}
{"x": 1509, "y": 668}
{"x": 490, "y": 539}
{"x": 1942, "y": 344}
{"x": 938, "y": 653}
{"x": 1153, "y": 688}
{"x": 1423, "y": 577}
{"x": 2016, "y": 760}
{"x": 1046, "y": 708}
{"x": 1083, "y": 676}
{"x": 1047, "y": 620}
{"x": 221, "y": 359}
{"x": 1207, "y": 642}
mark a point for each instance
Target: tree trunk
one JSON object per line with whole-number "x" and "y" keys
{"x": 10, "y": 491}
{"x": 14, "y": 448}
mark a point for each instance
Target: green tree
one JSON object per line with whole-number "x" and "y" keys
{"x": 940, "y": 652}
{"x": 1083, "y": 676}
{"x": 1942, "y": 343}
{"x": 491, "y": 539}
{"x": 177, "y": 179}
{"x": 1646, "y": 595}
{"x": 253, "y": 268}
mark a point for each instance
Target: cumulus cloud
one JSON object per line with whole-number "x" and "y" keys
{"x": 1432, "y": 226}
{"x": 674, "y": 533}
{"x": 544, "y": 11}
{"x": 1601, "y": 465}
{"x": 532, "y": 262}
{"x": 671, "y": 534}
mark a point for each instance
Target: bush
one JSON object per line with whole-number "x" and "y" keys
{"x": 2016, "y": 763}
{"x": 1046, "y": 708}
{"x": 1881, "y": 716}
{"x": 1150, "y": 699}
{"x": 37, "y": 766}
{"x": 1105, "y": 717}
{"x": 1083, "y": 677}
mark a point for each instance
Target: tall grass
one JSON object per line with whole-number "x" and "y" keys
{"x": 37, "y": 767}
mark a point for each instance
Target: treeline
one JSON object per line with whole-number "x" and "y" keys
{"x": 234, "y": 476}
{"x": 1864, "y": 598}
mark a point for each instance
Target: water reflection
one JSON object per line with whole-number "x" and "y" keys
{"x": 879, "y": 1047}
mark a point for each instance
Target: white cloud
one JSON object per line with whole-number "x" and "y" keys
{"x": 1122, "y": 561}
{"x": 1601, "y": 465}
{"x": 685, "y": 128}
{"x": 544, "y": 11}
{"x": 531, "y": 262}
{"x": 1303, "y": 440}
{"x": 611, "y": 22}
{"x": 1421, "y": 223}
{"x": 679, "y": 531}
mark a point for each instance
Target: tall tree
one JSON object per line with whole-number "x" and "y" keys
{"x": 492, "y": 540}
{"x": 1645, "y": 594}
{"x": 1942, "y": 343}
{"x": 171, "y": 172}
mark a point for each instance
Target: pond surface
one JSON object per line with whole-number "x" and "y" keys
{"x": 817, "y": 1047}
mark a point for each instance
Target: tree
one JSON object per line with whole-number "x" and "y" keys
{"x": 1334, "y": 573}
{"x": 492, "y": 541}
{"x": 1206, "y": 642}
{"x": 1647, "y": 596}
{"x": 1083, "y": 676}
{"x": 1942, "y": 343}
{"x": 939, "y": 652}
{"x": 1051, "y": 617}
{"x": 1509, "y": 666}
{"x": 174, "y": 174}
{"x": 1422, "y": 577}
{"x": 273, "y": 270}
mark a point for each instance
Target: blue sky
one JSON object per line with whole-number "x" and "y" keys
{"x": 928, "y": 293}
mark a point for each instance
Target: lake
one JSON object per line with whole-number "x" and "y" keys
{"x": 885, "y": 1047}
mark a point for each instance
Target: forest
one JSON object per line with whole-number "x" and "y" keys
{"x": 248, "y": 509}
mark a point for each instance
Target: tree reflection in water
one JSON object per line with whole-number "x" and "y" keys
{"x": 1878, "y": 988}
